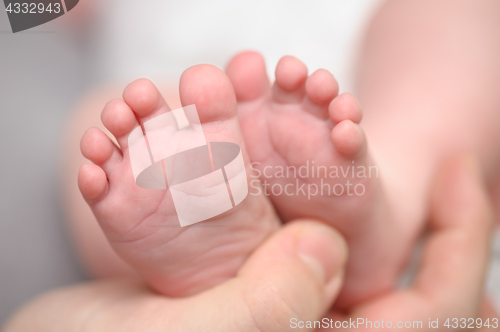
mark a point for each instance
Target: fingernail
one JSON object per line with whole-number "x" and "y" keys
{"x": 323, "y": 250}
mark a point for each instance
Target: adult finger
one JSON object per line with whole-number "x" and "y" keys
{"x": 449, "y": 282}
{"x": 291, "y": 279}
{"x": 456, "y": 257}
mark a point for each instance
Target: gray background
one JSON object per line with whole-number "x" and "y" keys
{"x": 40, "y": 79}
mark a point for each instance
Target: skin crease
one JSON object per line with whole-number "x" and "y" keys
{"x": 383, "y": 95}
{"x": 373, "y": 91}
{"x": 325, "y": 134}
{"x": 130, "y": 216}
{"x": 141, "y": 224}
{"x": 263, "y": 297}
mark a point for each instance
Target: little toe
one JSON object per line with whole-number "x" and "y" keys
{"x": 291, "y": 75}
{"x": 120, "y": 120}
{"x": 348, "y": 138}
{"x": 247, "y": 73}
{"x": 145, "y": 100}
{"x": 92, "y": 182}
{"x": 345, "y": 107}
{"x": 98, "y": 148}
{"x": 321, "y": 87}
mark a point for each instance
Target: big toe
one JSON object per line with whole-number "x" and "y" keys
{"x": 247, "y": 72}
{"x": 210, "y": 90}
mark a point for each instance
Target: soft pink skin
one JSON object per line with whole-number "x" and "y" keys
{"x": 428, "y": 91}
{"x": 299, "y": 120}
{"x": 427, "y": 81}
{"x": 132, "y": 217}
{"x": 302, "y": 264}
{"x": 141, "y": 224}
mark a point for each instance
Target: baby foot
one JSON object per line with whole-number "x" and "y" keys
{"x": 311, "y": 154}
{"x": 141, "y": 224}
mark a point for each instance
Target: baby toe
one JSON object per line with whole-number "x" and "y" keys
{"x": 348, "y": 138}
{"x": 291, "y": 75}
{"x": 98, "y": 148}
{"x": 120, "y": 120}
{"x": 92, "y": 182}
{"x": 345, "y": 107}
{"x": 144, "y": 99}
{"x": 211, "y": 91}
{"x": 248, "y": 75}
{"x": 321, "y": 87}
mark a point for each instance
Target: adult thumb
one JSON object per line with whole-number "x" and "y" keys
{"x": 294, "y": 277}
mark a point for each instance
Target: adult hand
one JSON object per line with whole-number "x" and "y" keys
{"x": 294, "y": 274}
{"x": 448, "y": 288}
{"x": 294, "y": 277}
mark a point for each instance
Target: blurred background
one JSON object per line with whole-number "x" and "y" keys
{"x": 45, "y": 71}
{"x": 41, "y": 76}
